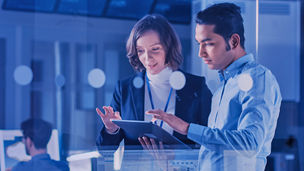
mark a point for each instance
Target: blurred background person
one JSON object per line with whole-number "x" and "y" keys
{"x": 36, "y": 135}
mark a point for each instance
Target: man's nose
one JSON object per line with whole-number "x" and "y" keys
{"x": 202, "y": 51}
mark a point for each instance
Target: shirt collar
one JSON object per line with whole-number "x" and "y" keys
{"x": 235, "y": 67}
{"x": 41, "y": 156}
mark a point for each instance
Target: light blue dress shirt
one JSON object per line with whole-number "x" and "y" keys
{"x": 242, "y": 121}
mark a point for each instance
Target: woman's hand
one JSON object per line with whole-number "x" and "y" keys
{"x": 158, "y": 153}
{"x": 150, "y": 144}
{"x": 108, "y": 117}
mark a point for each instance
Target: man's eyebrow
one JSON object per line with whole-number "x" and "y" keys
{"x": 204, "y": 40}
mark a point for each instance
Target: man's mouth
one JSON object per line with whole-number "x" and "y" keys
{"x": 207, "y": 61}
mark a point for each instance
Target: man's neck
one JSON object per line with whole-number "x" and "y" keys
{"x": 35, "y": 152}
{"x": 238, "y": 54}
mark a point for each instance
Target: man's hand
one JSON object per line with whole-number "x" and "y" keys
{"x": 174, "y": 122}
{"x": 108, "y": 117}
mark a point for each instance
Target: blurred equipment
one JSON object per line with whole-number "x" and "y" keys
{"x": 284, "y": 155}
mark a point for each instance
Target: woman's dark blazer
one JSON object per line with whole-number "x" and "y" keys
{"x": 192, "y": 105}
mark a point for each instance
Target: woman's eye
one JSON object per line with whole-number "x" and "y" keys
{"x": 140, "y": 51}
{"x": 155, "y": 49}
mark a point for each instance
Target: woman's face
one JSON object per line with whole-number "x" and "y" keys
{"x": 151, "y": 52}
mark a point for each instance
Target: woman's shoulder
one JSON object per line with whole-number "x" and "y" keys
{"x": 192, "y": 77}
{"x": 131, "y": 78}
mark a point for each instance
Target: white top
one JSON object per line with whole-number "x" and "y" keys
{"x": 160, "y": 89}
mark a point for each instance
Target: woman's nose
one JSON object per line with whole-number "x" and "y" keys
{"x": 147, "y": 56}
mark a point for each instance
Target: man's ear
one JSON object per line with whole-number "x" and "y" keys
{"x": 234, "y": 41}
{"x": 29, "y": 142}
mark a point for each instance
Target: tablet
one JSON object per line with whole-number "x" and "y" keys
{"x": 136, "y": 129}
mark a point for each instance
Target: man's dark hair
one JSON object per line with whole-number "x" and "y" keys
{"x": 167, "y": 36}
{"x": 227, "y": 20}
{"x": 38, "y": 130}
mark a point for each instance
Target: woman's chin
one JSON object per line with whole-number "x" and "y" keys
{"x": 154, "y": 71}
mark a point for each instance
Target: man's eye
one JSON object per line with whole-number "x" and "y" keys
{"x": 209, "y": 44}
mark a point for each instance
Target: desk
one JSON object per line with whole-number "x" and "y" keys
{"x": 138, "y": 160}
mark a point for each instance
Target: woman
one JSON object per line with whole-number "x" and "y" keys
{"x": 154, "y": 51}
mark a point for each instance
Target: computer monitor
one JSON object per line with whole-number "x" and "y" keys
{"x": 12, "y": 150}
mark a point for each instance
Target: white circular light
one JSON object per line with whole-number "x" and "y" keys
{"x": 138, "y": 82}
{"x": 96, "y": 78}
{"x": 245, "y": 82}
{"x": 177, "y": 80}
{"x": 23, "y": 75}
{"x": 60, "y": 80}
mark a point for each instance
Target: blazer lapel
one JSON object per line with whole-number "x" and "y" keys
{"x": 137, "y": 95}
{"x": 180, "y": 99}
{"x": 184, "y": 98}
{"x": 179, "y": 103}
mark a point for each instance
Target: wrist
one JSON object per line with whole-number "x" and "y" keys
{"x": 187, "y": 128}
{"x": 112, "y": 131}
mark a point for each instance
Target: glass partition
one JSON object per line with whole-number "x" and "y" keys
{"x": 60, "y": 59}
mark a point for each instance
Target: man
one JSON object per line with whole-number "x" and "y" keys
{"x": 36, "y": 135}
{"x": 246, "y": 106}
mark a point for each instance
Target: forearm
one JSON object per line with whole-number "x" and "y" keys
{"x": 177, "y": 124}
{"x": 246, "y": 140}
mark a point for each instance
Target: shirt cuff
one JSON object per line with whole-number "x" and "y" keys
{"x": 112, "y": 133}
{"x": 195, "y": 133}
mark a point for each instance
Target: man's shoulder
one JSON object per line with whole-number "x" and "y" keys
{"x": 22, "y": 166}
{"x": 256, "y": 69}
{"x": 43, "y": 164}
{"x": 61, "y": 165}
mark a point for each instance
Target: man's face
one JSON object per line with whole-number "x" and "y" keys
{"x": 212, "y": 47}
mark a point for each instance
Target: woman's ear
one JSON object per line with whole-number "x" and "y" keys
{"x": 234, "y": 41}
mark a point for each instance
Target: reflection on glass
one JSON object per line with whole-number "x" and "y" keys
{"x": 82, "y": 7}
{"x": 124, "y": 8}
{"x": 138, "y": 82}
{"x": 23, "y": 75}
{"x": 96, "y": 78}
{"x": 177, "y": 80}
{"x": 60, "y": 80}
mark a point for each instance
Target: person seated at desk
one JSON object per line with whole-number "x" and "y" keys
{"x": 36, "y": 135}
{"x": 154, "y": 50}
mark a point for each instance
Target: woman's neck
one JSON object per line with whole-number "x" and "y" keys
{"x": 162, "y": 77}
